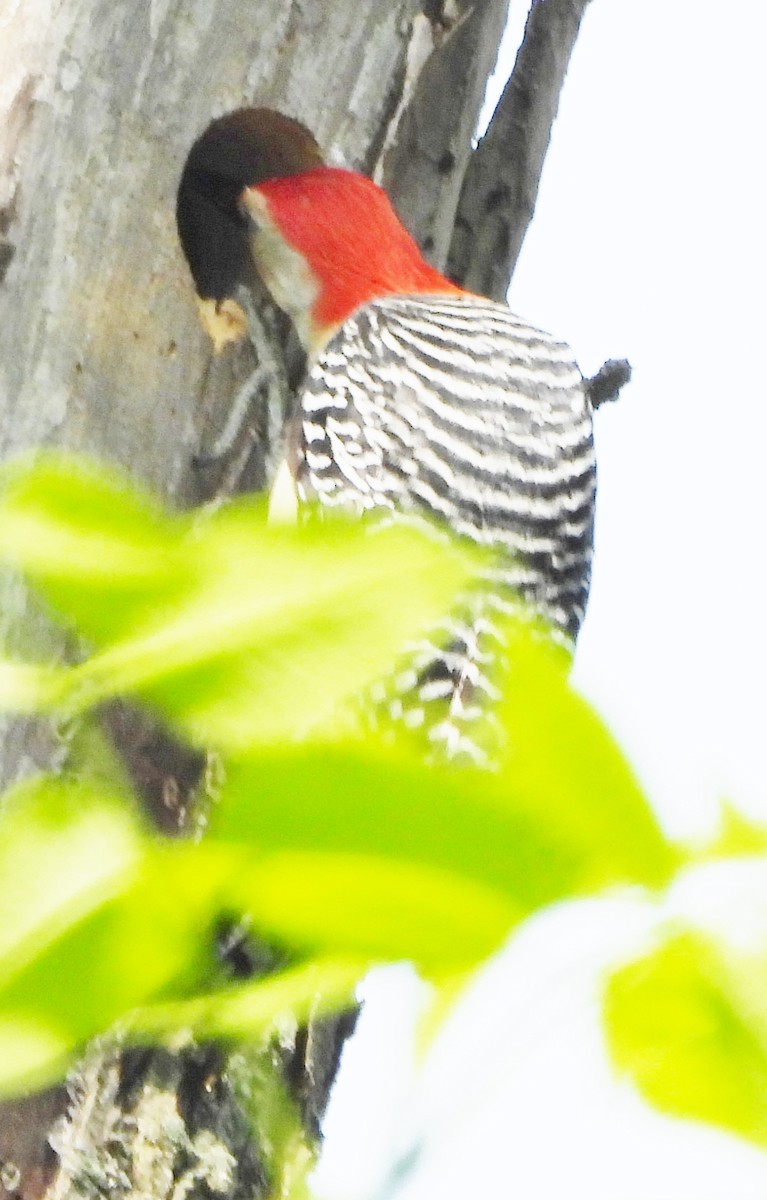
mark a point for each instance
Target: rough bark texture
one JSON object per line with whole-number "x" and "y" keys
{"x": 101, "y": 352}
{"x": 501, "y": 183}
{"x": 423, "y": 168}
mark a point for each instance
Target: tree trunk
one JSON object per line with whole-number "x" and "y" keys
{"x": 101, "y": 352}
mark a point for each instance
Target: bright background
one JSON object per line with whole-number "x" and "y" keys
{"x": 648, "y": 243}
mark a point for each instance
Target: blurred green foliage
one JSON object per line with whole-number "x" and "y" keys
{"x": 688, "y": 1021}
{"x": 340, "y": 848}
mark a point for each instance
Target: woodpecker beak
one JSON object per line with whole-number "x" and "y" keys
{"x": 224, "y": 322}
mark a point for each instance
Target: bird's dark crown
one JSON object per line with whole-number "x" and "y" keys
{"x": 242, "y": 149}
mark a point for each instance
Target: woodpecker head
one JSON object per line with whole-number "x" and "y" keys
{"x": 241, "y": 149}
{"x": 254, "y": 193}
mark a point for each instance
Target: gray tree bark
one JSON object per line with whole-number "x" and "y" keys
{"x": 500, "y": 186}
{"x": 101, "y": 352}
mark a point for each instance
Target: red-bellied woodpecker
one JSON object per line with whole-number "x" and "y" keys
{"x": 420, "y": 398}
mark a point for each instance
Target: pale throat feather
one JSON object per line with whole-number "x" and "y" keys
{"x": 285, "y": 272}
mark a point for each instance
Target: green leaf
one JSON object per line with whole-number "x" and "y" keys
{"x": 27, "y": 688}
{"x": 373, "y": 801}
{"x": 98, "y": 549}
{"x": 32, "y": 1054}
{"x": 288, "y": 625}
{"x": 688, "y": 1022}
{"x": 156, "y": 934}
{"x": 312, "y": 989}
{"x": 376, "y": 907}
{"x": 249, "y": 637}
{"x": 563, "y": 763}
{"x": 242, "y": 633}
{"x": 737, "y": 835}
{"x": 477, "y": 825}
{"x": 64, "y": 851}
{"x": 94, "y": 919}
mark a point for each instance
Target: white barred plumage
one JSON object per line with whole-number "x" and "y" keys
{"x": 450, "y": 408}
{"x": 454, "y": 409}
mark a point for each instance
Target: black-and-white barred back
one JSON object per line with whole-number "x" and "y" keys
{"x": 453, "y": 409}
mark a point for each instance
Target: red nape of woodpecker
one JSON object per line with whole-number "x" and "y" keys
{"x": 345, "y": 229}
{"x": 419, "y": 398}
{"x": 324, "y": 240}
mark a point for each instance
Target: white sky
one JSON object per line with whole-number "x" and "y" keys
{"x": 648, "y": 243}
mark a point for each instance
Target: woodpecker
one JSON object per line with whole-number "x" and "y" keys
{"x": 420, "y": 399}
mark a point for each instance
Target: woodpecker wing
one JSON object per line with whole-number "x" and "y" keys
{"x": 454, "y": 409}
